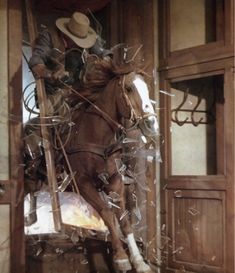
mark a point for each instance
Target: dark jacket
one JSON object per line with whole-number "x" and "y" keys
{"x": 44, "y": 52}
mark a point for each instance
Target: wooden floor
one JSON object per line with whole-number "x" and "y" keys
{"x": 49, "y": 254}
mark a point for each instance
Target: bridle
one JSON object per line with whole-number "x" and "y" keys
{"x": 137, "y": 120}
{"x": 102, "y": 113}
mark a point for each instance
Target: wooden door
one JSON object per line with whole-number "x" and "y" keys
{"x": 197, "y": 121}
{"x": 198, "y": 169}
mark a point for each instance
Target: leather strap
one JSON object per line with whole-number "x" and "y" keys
{"x": 101, "y": 150}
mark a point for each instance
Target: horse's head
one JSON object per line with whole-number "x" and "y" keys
{"x": 141, "y": 112}
{"x": 133, "y": 102}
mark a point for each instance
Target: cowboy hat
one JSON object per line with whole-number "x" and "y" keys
{"x": 78, "y": 29}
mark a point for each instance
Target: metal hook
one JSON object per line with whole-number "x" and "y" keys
{"x": 196, "y": 123}
{"x": 209, "y": 114}
{"x": 176, "y": 110}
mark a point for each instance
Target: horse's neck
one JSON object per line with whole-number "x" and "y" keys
{"x": 107, "y": 104}
{"x": 99, "y": 121}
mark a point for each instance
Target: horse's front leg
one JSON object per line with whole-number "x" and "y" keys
{"x": 135, "y": 256}
{"x": 91, "y": 195}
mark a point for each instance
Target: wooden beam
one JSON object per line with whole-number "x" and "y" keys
{"x": 48, "y": 149}
{"x": 15, "y": 185}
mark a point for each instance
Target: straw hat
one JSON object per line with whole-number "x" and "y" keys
{"x": 78, "y": 29}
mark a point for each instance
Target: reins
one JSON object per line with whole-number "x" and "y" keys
{"x": 100, "y": 150}
{"x": 103, "y": 114}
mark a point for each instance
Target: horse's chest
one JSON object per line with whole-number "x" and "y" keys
{"x": 90, "y": 164}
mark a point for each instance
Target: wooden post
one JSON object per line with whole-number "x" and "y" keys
{"x": 49, "y": 155}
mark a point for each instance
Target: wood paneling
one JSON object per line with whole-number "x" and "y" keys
{"x": 197, "y": 228}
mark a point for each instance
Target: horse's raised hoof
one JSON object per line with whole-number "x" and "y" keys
{"x": 140, "y": 265}
{"x": 121, "y": 262}
{"x": 122, "y": 265}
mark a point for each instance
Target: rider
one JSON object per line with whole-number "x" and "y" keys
{"x": 57, "y": 58}
{"x": 75, "y": 36}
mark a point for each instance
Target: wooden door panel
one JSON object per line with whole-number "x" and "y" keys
{"x": 199, "y": 201}
{"x": 196, "y": 228}
{"x": 198, "y": 157}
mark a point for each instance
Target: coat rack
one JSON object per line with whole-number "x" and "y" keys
{"x": 210, "y": 117}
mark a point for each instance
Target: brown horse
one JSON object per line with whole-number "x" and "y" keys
{"x": 113, "y": 94}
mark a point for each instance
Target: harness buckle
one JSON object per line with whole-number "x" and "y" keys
{"x": 104, "y": 177}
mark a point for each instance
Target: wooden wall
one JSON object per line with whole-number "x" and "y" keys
{"x": 11, "y": 168}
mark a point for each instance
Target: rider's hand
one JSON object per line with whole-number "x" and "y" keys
{"x": 60, "y": 74}
{"x": 41, "y": 71}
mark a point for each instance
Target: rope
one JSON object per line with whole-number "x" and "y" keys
{"x": 104, "y": 114}
{"x": 67, "y": 160}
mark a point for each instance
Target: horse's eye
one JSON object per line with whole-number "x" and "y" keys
{"x": 128, "y": 89}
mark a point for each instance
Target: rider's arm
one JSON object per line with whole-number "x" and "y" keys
{"x": 41, "y": 49}
{"x": 41, "y": 62}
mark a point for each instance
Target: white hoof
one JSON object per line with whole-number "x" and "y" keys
{"x": 122, "y": 264}
{"x": 139, "y": 265}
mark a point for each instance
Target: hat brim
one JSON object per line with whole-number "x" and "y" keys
{"x": 86, "y": 42}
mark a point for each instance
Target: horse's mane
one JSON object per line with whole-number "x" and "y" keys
{"x": 98, "y": 72}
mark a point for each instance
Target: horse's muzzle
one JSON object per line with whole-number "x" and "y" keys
{"x": 149, "y": 126}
